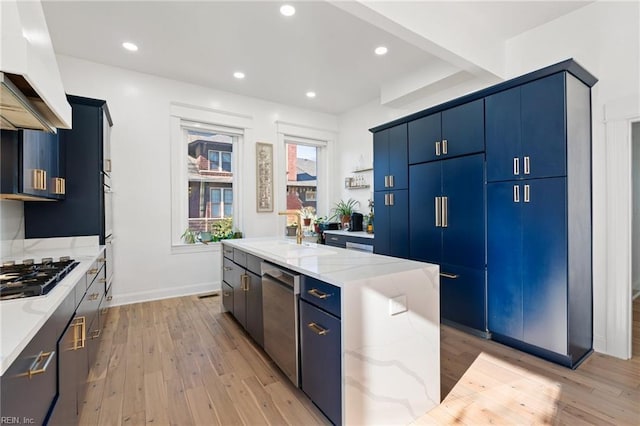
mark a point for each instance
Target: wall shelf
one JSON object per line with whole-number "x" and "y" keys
{"x": 368, "y": 169}
{"x": 357, "y": 187}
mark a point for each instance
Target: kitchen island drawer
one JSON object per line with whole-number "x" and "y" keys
{"x": 335, "y": 240}
{"x": 321, "y": 294}
{"x": 227, "y": 251}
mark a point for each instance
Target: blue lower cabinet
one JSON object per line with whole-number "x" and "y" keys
{"x": 463, "y": 296}
{"x": 320, "y": 358}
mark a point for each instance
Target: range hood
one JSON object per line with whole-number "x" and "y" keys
{"x": 18, "y": 111}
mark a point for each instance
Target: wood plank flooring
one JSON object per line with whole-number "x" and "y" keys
{"x": 181, "y": 362}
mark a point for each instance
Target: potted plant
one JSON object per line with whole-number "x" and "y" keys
{"x": 316, "y": 223}
{"x": 307, "y": 213}
{"x": 343, "y": 209}
{"x": 189, "y": 236}
{"x": 292, "y": 229}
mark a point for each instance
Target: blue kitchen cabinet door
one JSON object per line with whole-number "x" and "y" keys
{"x": 503, "y": 135}
{"x": 390, "y": 159}
{"x": 423, "y": 134}
{"x": 544, "y": 265}
{"x": 504, "y": 260}
{"x": 391, "y": 224}
{"x": 425, "y": 239}
{"x": 463, "y": 237}
{"x": 544, "y": 127}
{"x": 463, "y": 296}
{"x": 463, "y": 129}
{"x": 321, "y": 360}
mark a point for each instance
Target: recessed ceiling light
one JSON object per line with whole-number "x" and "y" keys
{"x": 381, "y": 50}
{"x": 239, "y": 75}
{"x": 287, "y": 10}
{"x": 311, "y": 94}
{"x": 130, "y": 46}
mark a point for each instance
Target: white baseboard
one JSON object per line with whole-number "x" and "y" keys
{"x": 167, "y": 293}
{"x": 600, "y": 344}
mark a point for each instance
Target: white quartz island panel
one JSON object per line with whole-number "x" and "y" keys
{"x": 390, "y": 326}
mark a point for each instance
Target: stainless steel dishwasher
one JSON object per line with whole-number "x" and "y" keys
{"x": 280, "y": 293}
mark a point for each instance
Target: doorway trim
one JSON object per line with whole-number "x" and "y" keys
{"x": 619, "y": 116}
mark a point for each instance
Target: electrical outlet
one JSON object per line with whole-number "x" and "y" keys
{"x": 398, "y": 305}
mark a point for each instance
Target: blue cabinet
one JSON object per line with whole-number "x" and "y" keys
{"x": 447, "y": 223}
{"x": 527, "y": 254}
{"x": 526, "y": 130}
{"x": 32, "y": 167}
{"x": 441, "y": 135}
{"x": 390, "y": 165}
{"x": 391, "y": 223}
{"x": 321, "y": 348}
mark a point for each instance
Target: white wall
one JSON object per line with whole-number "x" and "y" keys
{"x": 635, "y": 167}
{"x": 604, "y": 38}
{"x": 145, "y": 265}
{"x": 11, "y": 226}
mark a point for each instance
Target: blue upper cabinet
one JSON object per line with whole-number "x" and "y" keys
{"x": 526, "y": 131}
{"x": 441, "y": 135}
{"x": 390, "y": 165}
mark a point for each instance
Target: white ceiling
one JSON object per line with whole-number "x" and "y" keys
{"x": 324, "y": 47}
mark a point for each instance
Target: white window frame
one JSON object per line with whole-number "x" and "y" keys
{"x": 184, "y": 117}
{"x": 320, "y": 138}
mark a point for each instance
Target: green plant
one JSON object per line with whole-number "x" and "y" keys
{"x": 307, "y": 212}
{"x": 344, "y": 208}
{"x": 189, "y": 236}
{"x": 222, "y": 229}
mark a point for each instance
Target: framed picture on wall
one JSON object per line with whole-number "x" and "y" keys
{"x": 264, "y": 176}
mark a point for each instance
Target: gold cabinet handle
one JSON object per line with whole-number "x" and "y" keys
{"x": 245, "y": 282}
{"x": 317, "y": 329}
{"x": 58, "y": 185}
{"x": 79, "y": 333}
{"x": 319, "y": 294}
{"x": 448, "y": 275}
{"x": 95, "y": 334}
{"x": 226, "y": 294}
{"x": 109, "y": 298}
{"x": 227, "y": 268}
{"x": 103, "y": 311}
{"x": 44, "y": 359}
{"x": 92, "y": 271}
{"x": 39, "y": 180}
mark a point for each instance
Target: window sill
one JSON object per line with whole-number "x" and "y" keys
{"x": 213, "y": 247}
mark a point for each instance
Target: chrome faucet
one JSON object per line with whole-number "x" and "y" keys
{"x": 299, "y": 229}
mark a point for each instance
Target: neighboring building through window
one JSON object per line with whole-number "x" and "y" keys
{"x": 302, "y": 180}
{"x": 210, "y": 178}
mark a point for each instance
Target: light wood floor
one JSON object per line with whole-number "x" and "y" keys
{"x": 180, "y": 362}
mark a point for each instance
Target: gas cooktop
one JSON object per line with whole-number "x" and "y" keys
{"x": 29, "y": 279}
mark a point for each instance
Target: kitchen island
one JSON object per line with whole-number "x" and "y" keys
{"x": 390, "y": 326}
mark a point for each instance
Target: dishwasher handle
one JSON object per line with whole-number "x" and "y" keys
{"x": 282, "y": 276}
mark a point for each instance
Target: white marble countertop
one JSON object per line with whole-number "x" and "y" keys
{"x": 21, "y": 319}
{"x": 334, "y": 265}
{"x": 359, "y": 234}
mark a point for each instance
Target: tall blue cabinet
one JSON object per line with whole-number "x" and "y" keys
{"x": 499, "y": 195}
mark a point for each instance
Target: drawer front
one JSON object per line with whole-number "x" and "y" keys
{"x": 227, "y": 251}
{"x": 335, "y": 240}
{"x": 321, "y": 360}
{"x": 227, "y": 298}
{"x": 29, "y": 386}
{"x": 253, "y": 264}
{"x": 94, "y": 271}
{"x": 81, "y": 289}
{"x": 321, "y": 294}
{"x": 230, "y": 272}
{"x": 240, "y": 257}
{"x": 88, "y": 308}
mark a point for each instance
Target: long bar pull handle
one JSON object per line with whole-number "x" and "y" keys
{"x": 391, "y": 183}
{"x": 44, "y": 180}
{"x": 391, "y": 199}
{"x": 527, "y": 194}
{"x": 438, "y": 212}
{"x": 444, "y": 146}
{"x": 245, "y": 282}
{"x": 317, "y": 329}
{"x": 386, "y": 181}
{"x": 516, "y": 193}
{"x": 516, "y": 166}
{"x": 227, "y": 268}
{"x": 319, "y": 294}
{"x": 527, "y": 165}
{"x": 445, "y": 212}
{"x": 79, "y": 335}
{"x": 438, "y": 148}
{"x": 448, "y": 275}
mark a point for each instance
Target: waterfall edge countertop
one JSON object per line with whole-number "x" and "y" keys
{"x": 390, "y": 326}
{"x": 21, "y": 319}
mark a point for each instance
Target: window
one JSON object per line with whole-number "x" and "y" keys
{"x": 206, "y": 174}
{"x": 302, "y": 177}
{"x": 209, "y": 175}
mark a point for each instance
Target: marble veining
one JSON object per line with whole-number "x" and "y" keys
{"x": 390, "y": 360}
{"x": 20, "y": 319}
